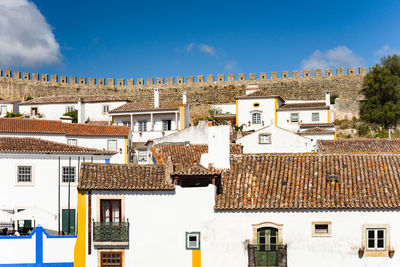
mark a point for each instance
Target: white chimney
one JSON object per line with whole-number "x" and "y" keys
{"x": 80, "y": 110}
{"x": 156, "y": 98}
{"x": 327, "y": 98}
{"x": 184, "y": 98}
{"x": 251, "y": 89}
{"x": 218, "y": 148}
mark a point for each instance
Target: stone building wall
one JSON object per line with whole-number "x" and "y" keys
{"x": 201, "y": 91}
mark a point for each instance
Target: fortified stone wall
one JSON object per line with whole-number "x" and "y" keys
{"x": 201, "y": 91}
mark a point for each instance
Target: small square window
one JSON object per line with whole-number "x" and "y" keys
{"x": 69, "y": 109}
{"x": 106, "y": 108}
{"x": 142, "y": 126}
{"x": 264, "y": 139}
{"x": 24, "y": 174}
{"x": 72, "y": 142}
{"x": 193, "y": 240}
{"x": 294, "y": 117}
{"x": 166, "y": 125}
{"x": 315, "y": 116}
{"x": 376, "y": 239}
{"x": 68, "y": 174}
{"x": 142, "y": 156}
{"x": 112, "y": 145}
{"x": 321, "y": 229}
{"x": 34, "y": 111}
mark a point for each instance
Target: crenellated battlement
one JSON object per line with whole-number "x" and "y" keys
{"x": 201, "y": 80}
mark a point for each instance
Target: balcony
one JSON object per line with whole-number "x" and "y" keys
{"x": 111, "y": 233}
{"x": 275, "y": 255}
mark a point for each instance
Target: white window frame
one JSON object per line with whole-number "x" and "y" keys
{"x": 291, "y": 117}
{"x": 375, "y": 230}
{"x": 1, "y": 109}
{"x": 165, "y": 123}
{"x": 105, "y": 109}
{"x": 256, "y": 118}
{"x": 110, "y": 144}
{"x": 260, "y": 137}
{"x": 72, "y": 142}
{"x": 142, "y": 126}
{"x": 63, "y": 174}
{"x": 31, "y": 182}
{"x": 315, "y": 114}
{"x": 69, "y": 109}
{"x": 142, "y": 154}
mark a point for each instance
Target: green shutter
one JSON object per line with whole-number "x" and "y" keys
{"x": 68, "y": 216}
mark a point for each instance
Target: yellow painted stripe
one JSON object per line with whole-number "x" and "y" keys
{"x": 80, "y": 245}
{"x": 276, "y": 113}
{"x": 196, "y": 258}
{"x": 182, "y": 117}
{"x": 329, "y": 115}
{"x": 126, "y": 150}
{"x": 335, "y": 136}
{"x": 237, "y": 112}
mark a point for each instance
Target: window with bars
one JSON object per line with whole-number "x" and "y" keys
{"x": 315, "y": 116}
{"x": 111, "y": 259}
{"x": 68, "y": 174}
{"x": 166, "y": 125}
{"x": 256, "y": 118}
{"x": 112, "y": 145}
{"x": 142, "y": 126}
{"x": 376, "y": 239}
{"x": 24, "y": 174}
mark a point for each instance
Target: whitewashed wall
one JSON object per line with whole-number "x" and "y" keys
{"x": 281, "y": 141}
{"x": 157, "y": 120}
{"x": 17, "y": 250}
{"x": 245, "y": 108}
{"x": 305, "y": 116}
{"x": 159, "y": 220}
{"x": 94, "y": 111}
{"x": 8, "y": 107}
{"x": 320, "y": 136}
{"x": 194, "y": 135}
{"x": 58, "y": 249}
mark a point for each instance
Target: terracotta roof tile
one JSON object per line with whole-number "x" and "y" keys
{"x": 58, "y": 127}
{"x": 297, "y": 106}
{"x": 137, "y": 107}
{"x": 72, "y": 99}
{"x": 196, "y": 169}
{"x": 360, "y": 145}
{"x": 311, "y": 181}
{"x": 317, "y": 130}
{"x": 312, "y": 125}
{"x": 236, "y": 135}
{"x": 105, "y": 176}
{"x": 39, "y": 146}
{"x": 260, "y": 94}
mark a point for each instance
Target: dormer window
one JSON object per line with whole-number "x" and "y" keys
{"x": 256, "y": 118}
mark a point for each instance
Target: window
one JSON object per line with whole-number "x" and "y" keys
{"x": 106, "y": 108}
{"x": 321, "y": 228}
{"x": 24, "y": 174}
{"x": 294, "y": 117}
{"x": 315, "y": 116}
{"x": 193, "y": 240}
{"x": 69, "y": 109}
{"x": 256, "y": 105}
{"x": 111, "y": 259}
{"x": 256, "y": 118}
{"x": 142, "y": 126}
{"x": 3, "y": 110}
{"x": 112, "y": 145}
{"x": 126, "y": 123}
{"x": 110, "y": 210}
{"x": 68, "y": 174}
{"x": 264, "y": 138}
{"x": 68, "y": 221}
{"x": 376, "y": 239}
{"x": 34, "y": 111}
{"x": 166, "y": 125}
{"x": 142, "y": 156}
{"x": 72, "y": 142}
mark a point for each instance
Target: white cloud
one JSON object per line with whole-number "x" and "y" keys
{"x": 230, "y": 66}
{"x": 340, "y": 56}
{"x": 26, "y": 39}
{"x": 386, "y": 51}
{"x": 208, "y": 49}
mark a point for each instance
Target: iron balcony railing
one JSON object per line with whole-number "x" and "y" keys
{"x": 267, "y": 255}
{"x": 111, "y": 232}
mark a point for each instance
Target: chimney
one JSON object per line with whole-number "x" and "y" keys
{"x": 218, "y": 148}
{"x": 327, "y": 98}
{"x": 156, "y": 98}
{"x": 169, "y": 169}
{"x": 184, "y": 98}
{"x": 251, "y": 89}
{"x": 80, "y": 110}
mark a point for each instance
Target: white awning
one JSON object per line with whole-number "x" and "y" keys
{"x": 5, "y": 217}
{"x": 41, "y": 216}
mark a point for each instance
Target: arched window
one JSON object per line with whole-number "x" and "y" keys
{"x": 256, "y": 118}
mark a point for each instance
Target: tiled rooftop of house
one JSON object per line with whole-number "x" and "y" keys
{"x": 360, "y": 145}
{"x": 99, "y": 176}
{"x": 140, "y": 107}
{"x": 7, "y": 101}
{"x": 260, "y": 94}
{"x": 58, "y": 127}
{"x": 72, "y": 99}
{"x": 311, "y": 181}
{"x": 234, "y": 135}
{"x": 196, "y": 169}
{"x": 297, "y": 106}
{"x": 312, "y": 125}
{"x": 38, "y": 146}
{"x": 317, "y": 130}
{"x": 183, "y": 156}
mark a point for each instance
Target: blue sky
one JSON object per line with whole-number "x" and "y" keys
{"x": 132, "y": 39}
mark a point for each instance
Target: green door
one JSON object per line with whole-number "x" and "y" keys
{"x": 27, "y": 224}
{"x": 68, "y": 216}
{"x": 267, "y": 246}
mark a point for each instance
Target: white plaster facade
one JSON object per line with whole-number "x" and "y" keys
{"x": 304, "y": 116}
{"x": 264, "y": 106}
{"x": 8, "y": 107}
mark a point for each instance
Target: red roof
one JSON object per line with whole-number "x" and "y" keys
{"x": 58, "y": 127}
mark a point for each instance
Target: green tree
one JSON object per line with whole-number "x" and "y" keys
{"x": 73, "y": 114}
{"x": 12, "y": 115}
{"x": 381, "y": 89}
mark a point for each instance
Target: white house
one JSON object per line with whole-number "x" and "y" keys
{"x": 8, "y": 106}
{"x": 279, "y": 209}
{"x": 151, "y": 120}
{"x": 90, "y": 108}
{"x": 40, "y": 177}
{"x": 103, "y": 137}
